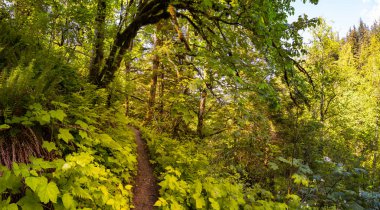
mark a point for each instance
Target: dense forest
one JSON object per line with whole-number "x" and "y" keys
{"x": 236, "y": 109}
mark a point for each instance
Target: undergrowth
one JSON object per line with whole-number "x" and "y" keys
{"x": 91, "y": 166}
{"x": 189, "y": 180}
{"x": 62, "y": 144}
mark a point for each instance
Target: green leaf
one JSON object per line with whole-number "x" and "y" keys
{"x": 207, "y": 3}
{"x": 63, "y": 105}
{"x": 36, "y": 106}
{"x": 43, "y": 117}
{"x": 170, "y": 169}
{"x": 355, "y": 206}
{"x": 214, "y": 204}
{"x": 35, "y": 182}
{"x": 33, "y": 172}
{"x": 199, "y": 201}
{"x": 39, "y": 163}
{"x": 82, "y": 124}
{"x": 30, "y": 201}
{"x": 83, "y": 134}
{"x": 128, "y": 187}
{"x": 16, "y": 120}
{"x": 300, "y": 179}
{"x": 294, "y": 200}
{"x": 305, "y": 169}
{"x": 161, "y": 202}
{"x": 284, "y": 160}
{"x": 57, "y": 114}
{"x": 16, "y": 168}
{"x": 9, "y": 180}
{"x": 27, "y": 123}
{"x": 273, "y": 166}
{"x": 49, "y": 146}
{"x": 77, "y": 191}
{"x": 20, "y": 169}
{"x": 48, "y": 192}
{"x": 81, "y": 159}
{"x": 65, "y": 135}
{"x": 68, "y": 201}
{"x": 4, "y": 127}
{"x": 198, "y": 187}
{"x": 11, "y": 206}
{"x": 107, "y": 141}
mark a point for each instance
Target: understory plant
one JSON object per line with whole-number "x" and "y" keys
{"x": 58, "y": 158}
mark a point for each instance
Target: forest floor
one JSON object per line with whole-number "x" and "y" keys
{"x": 146, "y": 188}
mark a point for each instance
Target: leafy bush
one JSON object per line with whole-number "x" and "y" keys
{"x": 90, "y": 168}
{"x": 189, "y": 180}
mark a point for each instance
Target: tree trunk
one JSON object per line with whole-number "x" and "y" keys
{"x": 153, "y": 83}
{"x": 322, "y": 101}
{"x": 127, "y": 75}
{"x": 178, "y": 119}
{"x": 149, "y": 12}
{"x": 162, "y": 89}
{"x": 201, "y": 113}
{"x": 152, "y": 92}
{"x": 98, "y": 51}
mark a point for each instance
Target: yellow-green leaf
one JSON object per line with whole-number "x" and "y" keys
{"x": 48, "y": 193}
{"x": 30, "y": 201}
{"x": 214, "y": 204}
{"x": 11, "y": 206}
{"x": 57, "y": 114}
{"x": 161, "y": 202}
{"x": 49, "y": 146}
{"x": 4, "y": 127}
{"x": 65, "y": 135}
{"x": 82, "y": 124}
{"x": 35, "y": 182}
{"x": 68, "y": 201}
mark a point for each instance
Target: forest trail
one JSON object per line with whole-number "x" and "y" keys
{"x": 146, "y": 188}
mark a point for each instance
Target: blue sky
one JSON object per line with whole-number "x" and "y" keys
{"x": 341, "y": 14}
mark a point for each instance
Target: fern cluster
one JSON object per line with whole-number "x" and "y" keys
{"x": 29, "y": 73}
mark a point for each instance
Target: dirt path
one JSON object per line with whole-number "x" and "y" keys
{"x": 146, "y": 188}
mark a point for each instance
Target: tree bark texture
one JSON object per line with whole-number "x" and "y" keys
{"x": 98, "y": 51}
{"x": 155, "y": 72}
{"x": 201, "y": 112}
{"x": 149, "y": 12}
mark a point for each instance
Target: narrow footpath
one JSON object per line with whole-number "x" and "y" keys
{"x": 146, "y": 188}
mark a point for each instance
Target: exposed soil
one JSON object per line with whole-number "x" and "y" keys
{"x": 146, "y": 188}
